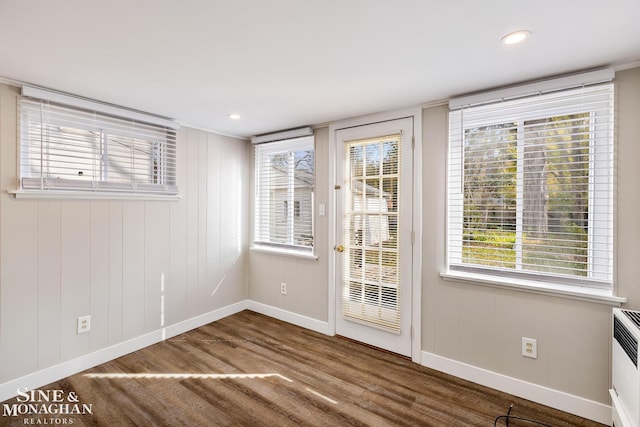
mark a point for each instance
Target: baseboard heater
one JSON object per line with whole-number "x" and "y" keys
{"x": 625, "y": 391}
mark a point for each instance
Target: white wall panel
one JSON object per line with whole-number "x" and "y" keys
{"x": 203, "y": 183}
{"x": 49, "y": 285}
{"x": 75, "y": 275}
{"x": 115, "y": 272}
{"x": 192, "y": 191}
{"x": 19, "y": 293}
{"x": 233, "y": 230}
{"x": 133, "y": 271}
{"x": 99, "y": 267}
{"x": 230, "y": 215}
{"x": 157, "y": 273}
{"x": 214, "y": 225}
{"x": 177, "y": 292}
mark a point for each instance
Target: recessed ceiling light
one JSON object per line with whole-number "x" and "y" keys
{"x": 515, "y": 37}
{"x": 234, "y": 116}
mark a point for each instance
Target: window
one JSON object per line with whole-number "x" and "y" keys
{"x": 65, "y": 148}
{"x": 284, "y": 186}
{"x": 531, "y": 187}
{"x": 296, "y": 208}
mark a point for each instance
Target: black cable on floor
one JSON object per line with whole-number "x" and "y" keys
{"x": 513, "y": 417}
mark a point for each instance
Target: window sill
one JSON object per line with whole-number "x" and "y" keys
{"x": 284, "y": 252}
{"x": 564, "y": 291}
{"x": 90, "y": 195}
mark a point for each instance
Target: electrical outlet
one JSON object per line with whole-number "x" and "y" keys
{"x": 283, "y": 288}
{"x": 84, "y": 324}
{"x": 529, "y": 347}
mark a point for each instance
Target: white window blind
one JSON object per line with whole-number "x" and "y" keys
{"x": 69, "y": 149}
{"x": 284, "y": 188}
{"x": 530, "y": 187}
{"x": 370, "y": 213}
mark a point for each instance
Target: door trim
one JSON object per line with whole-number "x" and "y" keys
{"x": 416, "y": 273}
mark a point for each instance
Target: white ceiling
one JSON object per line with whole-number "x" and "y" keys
{"x": 287, "y": 63}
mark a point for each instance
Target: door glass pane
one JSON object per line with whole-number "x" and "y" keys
{"x": 370, "y": 223}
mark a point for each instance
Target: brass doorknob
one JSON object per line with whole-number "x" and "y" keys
{"x": 339, "y": 248}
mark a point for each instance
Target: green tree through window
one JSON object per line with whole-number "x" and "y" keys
{"x": 526, "y": 198}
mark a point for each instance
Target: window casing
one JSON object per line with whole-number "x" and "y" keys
{"x": 65, "y": 149}
{"x": 530, "y": 188}
{"x": 284, "y": 191}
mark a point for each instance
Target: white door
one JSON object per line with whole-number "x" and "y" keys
{"x": 373, "y": 234}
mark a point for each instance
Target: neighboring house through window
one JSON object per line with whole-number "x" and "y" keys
{"x": 78, "y": 150}
{"x": 284, "y": 188}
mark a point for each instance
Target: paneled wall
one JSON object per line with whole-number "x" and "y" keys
{"x": 134, "y": 266}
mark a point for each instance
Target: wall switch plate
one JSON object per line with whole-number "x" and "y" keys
{"x": 283, "y": 288}
{"x": 84, "y": 324}
{"x": 529, "y": 347}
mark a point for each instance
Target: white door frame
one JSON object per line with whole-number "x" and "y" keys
{"x": 416, "y": 273}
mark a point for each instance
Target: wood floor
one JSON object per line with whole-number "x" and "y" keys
{"x": 252, "y": 370}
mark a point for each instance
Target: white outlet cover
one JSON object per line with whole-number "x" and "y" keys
{"x": 84, "y": 324}
{"x": 530, "y": 347}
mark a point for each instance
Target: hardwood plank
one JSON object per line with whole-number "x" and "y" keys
{"x": 252, "y": 370}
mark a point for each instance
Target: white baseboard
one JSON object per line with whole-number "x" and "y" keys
{"x": 204, "y": 319}
{"x": 289, "y": 317}
{"x": 71, "y": 367}
{"x": 546, "y": 396}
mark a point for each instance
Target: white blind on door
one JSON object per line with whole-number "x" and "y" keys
{"x": 66, "y": 148}
{"x": 530, "y": 187}
{"x": 284, "y": 189}
{"x": 371, "y": 261}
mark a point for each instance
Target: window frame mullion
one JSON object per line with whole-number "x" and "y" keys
{"x": 291, "y": 183}
{"x": 519, "y": 194}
